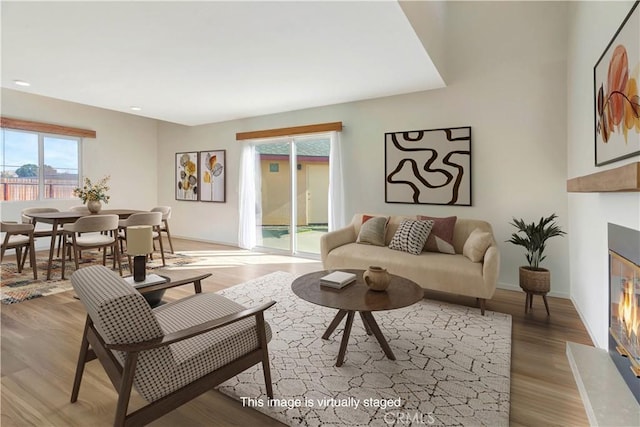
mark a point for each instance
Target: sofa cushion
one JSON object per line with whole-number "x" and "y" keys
{"x": 372, "y": 231}
{"x": 411, "y": 236}
{"x": 463, "y": 229}
{"x": 440, "y": 272}
{"x": 477, "y": 244}
{"x": 441, "y": 236}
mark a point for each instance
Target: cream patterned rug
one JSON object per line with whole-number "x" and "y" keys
{"x": 452, "y": 366}
{"x": 17, "y": 287}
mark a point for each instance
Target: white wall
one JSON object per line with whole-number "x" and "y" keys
{"x": 592, "y": 25}
{"x": 506, "y": 68}
{"x": 428, "y": 19}
{"x": 125, "y": 148}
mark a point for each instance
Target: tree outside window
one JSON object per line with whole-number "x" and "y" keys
{"x": 37, "y": 166}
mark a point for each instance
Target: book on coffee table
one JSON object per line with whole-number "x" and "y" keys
{"x": 337, "y": 279}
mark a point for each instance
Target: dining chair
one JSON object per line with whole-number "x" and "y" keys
{"x": 46, "y": 232}
{"x": 154, "y": 219}
{"x": 19, "y": 237}
{"x": 166, "y": 214}
{"x": 92, "y": 232}
{"x": 79, "y": 208}
{"x": 170, "y": 354}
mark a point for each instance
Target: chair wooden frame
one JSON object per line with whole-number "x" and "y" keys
{"x": 166, "y": 214}
{"x": 15, "y": 229}
{"x": 93, "y": 347}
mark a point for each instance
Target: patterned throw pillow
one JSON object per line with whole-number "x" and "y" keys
{"x": 477, "y": 244}
{"x": 441, "y": 236}
{"x": 411, "y": 236}
{"x": 373, "y": 230}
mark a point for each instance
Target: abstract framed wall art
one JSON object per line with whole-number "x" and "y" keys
{"x": 186, "y": 178}
{"x": 212, "y": 183}
{"x": 615, "y": 84}
{"x": 431, "y": 167}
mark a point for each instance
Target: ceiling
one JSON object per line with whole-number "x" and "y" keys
{"x": 203, "y": 62}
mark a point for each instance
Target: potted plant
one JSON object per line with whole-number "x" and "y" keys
{"x": 533, "y": 237}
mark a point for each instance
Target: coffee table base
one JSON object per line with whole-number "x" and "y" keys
{"x": 370, "y": 325}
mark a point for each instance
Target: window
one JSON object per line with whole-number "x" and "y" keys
{"x": 38, "y": 166}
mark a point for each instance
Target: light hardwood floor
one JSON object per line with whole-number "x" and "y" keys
{"x": 41, "y": 338}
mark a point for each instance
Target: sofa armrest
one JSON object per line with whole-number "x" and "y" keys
{"x": 491, "y": 267}
{"x": 333, "y": 239}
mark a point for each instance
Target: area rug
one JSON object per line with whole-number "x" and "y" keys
{"x": 17, "y": 287}
{"x": 452, "y": 367}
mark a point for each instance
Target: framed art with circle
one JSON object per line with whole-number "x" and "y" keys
{"x": 186, "y": 178}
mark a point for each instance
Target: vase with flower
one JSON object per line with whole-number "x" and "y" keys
{"x": 92, "y": 194}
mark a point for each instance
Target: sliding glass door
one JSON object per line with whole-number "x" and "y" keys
{"x": 294, "y": 178}
{"x": 274, "y": 226}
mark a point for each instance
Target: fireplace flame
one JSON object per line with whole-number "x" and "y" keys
{"x": 628, "y": 310}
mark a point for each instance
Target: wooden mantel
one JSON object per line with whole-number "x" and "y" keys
{"x": 621, "y": 179}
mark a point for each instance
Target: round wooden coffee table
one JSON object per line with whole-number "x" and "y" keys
{"x": 357, "y": 297}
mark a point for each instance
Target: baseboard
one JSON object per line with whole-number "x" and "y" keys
{"x": 44, "y": 243}
{"x": 510, "y": 287}
{"x": 586, "y": 326}
{"x": 215, "y": 242}
{"x": 315, "y": 257}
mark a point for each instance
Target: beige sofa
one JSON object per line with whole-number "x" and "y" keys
{"x": 450, "y": 273}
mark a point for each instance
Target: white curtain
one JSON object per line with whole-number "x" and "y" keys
{"x": 250, "y": 203}
{"x": 336, "y": 187}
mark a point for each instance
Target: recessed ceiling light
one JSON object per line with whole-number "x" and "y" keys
{"x": 136, "y": 108}
{"x": 21, "y": 83}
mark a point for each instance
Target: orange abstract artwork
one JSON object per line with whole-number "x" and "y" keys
{"x": 617, "y": 102}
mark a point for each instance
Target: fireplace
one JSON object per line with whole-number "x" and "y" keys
{"x": 624, "y": 307}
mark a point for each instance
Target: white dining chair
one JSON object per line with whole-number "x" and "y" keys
{"x": 19, "y": 237}
{"x": 42, "y": 232}
{"x": 92, "y": 232}
{"x": 166, "y": 214}
{"x": 154, "y": 219}
{"x": 79, "y": 208}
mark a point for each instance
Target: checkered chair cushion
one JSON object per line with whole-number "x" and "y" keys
{"x": 197, "y": 356}
{"x": 121, "y": 315}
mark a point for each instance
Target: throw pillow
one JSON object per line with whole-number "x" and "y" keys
{"x": 441, "y": 236}
{"x": 366, "y": 218}
{"x": 477, "y": 244}
{"x": 411, "y": 236}
{"x": 373, "y": 230}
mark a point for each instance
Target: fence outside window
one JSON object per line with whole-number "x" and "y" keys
{"x": 38, "y": 166}
{"x": 28, "y": 188}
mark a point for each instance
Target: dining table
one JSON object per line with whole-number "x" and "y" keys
{"x": 65, "y": 217}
